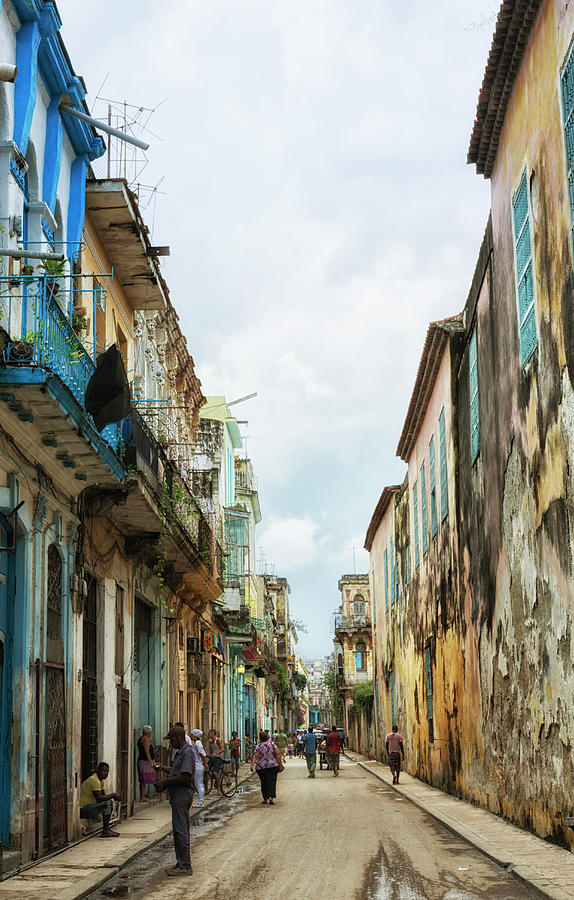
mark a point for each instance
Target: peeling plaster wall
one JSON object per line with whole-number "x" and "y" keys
{"x": 518, "y": 555}
{"x": 494, "y": 599}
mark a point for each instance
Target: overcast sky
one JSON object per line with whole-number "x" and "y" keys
{"x": 320, "y": 213}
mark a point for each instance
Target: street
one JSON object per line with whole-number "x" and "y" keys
{"x": 353, "y": 836}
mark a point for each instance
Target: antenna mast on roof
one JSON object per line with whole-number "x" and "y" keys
{"x": 124, "y": 160}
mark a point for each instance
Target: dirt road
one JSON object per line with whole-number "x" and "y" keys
{"x": 350, "y": 837}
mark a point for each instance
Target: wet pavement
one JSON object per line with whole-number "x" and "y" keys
{"x": 351, "y": 836}
{"x": 147, "y": 870}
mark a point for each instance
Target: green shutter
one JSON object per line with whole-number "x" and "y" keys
{"x": 567, "y": 88}
{"x": 424, "y": 522}
{"x": 416, "y": 521}
{"x": 474, "y": 410}
{"x": 392, "y": 574}
{"x": 524, "y": 273}
{"x": 386, "y": 582}
{"x": 442, "y": 455}
{"x": 433, "y": 511}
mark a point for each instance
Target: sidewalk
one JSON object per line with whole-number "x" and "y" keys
{"x": 89, "y": 863}
{"x": 544, "y": 867}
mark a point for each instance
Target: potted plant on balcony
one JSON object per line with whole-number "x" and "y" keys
{"x": 53, "y": 269}
{"x": 27, "y": 272}
{"x": 162, "y": 440}
{"x": 79, "y": 322}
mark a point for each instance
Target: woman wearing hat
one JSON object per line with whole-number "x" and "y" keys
{"x": 200, "y": 756}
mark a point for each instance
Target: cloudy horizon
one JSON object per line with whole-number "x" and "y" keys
{"x": 311, "y": 158}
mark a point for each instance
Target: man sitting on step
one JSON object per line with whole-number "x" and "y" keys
{"x": 94, "y": 800}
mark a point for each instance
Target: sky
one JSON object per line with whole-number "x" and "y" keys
{"x": 309, "y": 159}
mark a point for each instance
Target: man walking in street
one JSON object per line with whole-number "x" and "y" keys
{"x": 310, "y": 743}
{"x": 281, "y": 743}
{"x": 334, "y": 749}
{"x": 180, "y": 786}
{"x": 215, "y": 750}
{"x": 395, "y": 750}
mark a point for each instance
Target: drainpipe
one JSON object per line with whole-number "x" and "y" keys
{"x": 102, "y": 126}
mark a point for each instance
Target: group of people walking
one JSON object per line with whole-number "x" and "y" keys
{"x": 188, "y": 762}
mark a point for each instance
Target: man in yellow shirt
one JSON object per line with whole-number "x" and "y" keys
{"x": 94, "y": 800}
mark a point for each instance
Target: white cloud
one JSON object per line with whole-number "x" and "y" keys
{"x": 290, "y": 543}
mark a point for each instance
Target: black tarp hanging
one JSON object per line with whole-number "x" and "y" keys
{"x": 108, "y": 396}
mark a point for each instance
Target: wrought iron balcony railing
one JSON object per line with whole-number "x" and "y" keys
{"x": 35, "y": 331}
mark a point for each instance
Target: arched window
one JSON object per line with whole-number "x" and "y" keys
{"x": 340, "y": 663}
{"x": 54, "y": 624}
{"x": 359, "y": 605}
{"x": 360, "y": 656}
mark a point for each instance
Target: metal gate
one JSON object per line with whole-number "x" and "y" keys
{"x": 56, "y": 799}
{"x": 89, "y": 727}
{"x": 123, "y": 747}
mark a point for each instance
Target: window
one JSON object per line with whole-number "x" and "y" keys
{"x": 442, "y": 461}
{"x": 360, "y": 656}
{"x": 424, "y": 523}
{"x": 142, "y": 633}
{"x": 392, "y": 574}
{"x": 407, "y": 565}
{"x": 359, "y": 605}
{"x": 386, "y": 561}
{"x": 119, "y": 630}
{"x": 567, "y": 86}
{"x": 474, "y": 411}
{"x": 54, "y": 624}
{"x": 432, "y": 467}
{"x": 416, "y": 522}
{"x": 428, "y": 674}
{"x": 524, "y": 271}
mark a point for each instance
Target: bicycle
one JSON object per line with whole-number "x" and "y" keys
{"x": 227, "y": 779}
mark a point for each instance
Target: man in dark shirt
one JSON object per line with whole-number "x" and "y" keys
{"x": 180, "y": 786}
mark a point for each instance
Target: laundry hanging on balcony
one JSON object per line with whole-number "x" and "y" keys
{"x": 108, "y": 397}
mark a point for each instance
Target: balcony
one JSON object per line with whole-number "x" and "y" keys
{"x": 239, "y": 624}
{"x": 44, "y": 372}
{"x": 350, "y": 624}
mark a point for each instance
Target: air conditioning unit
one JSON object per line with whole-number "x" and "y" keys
{"x": 193, "y": 645}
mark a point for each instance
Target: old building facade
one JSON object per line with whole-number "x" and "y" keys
{"x": 478, "y": 639}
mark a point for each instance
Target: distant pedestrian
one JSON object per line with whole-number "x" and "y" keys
{"x": 235, "y": 751}
{"x": 266, "y": 759}
{"x": 146, "y": 757}
{"x": 395, "y": 750}
{"x": 180, "y": 786}
{"x": 334, "y": 749}
{"x": 310, "y": 742}
{"x": 300, "y": 744}
{"x": 281, "y": 741}
{"x": 215, "y": 749}
{"x": 200, "y": 758}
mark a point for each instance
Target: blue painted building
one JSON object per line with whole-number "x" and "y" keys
{"x": 49, "y": 446}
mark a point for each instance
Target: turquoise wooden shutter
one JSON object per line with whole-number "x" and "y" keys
{"x": 567, "y": 89}
{"x": 407, "y": 562}
{"x": 416, "y": 521}
{"x": 424, "y": 523}
{"x": 392, "y": 574}
{"x": 442, "y": 462}
{"x": 428, "y": 675}
{"x": 474, "y": 410}
{"x": 386, "y": 582}
{"x": 524, "y": 273}
{"x": 433, "y": 512}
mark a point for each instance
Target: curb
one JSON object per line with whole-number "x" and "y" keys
{"x": 97, "y": 879}
{"x": 521, "y": 873}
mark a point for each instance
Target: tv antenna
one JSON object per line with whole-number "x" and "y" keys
{"x": 123, "y": 160}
